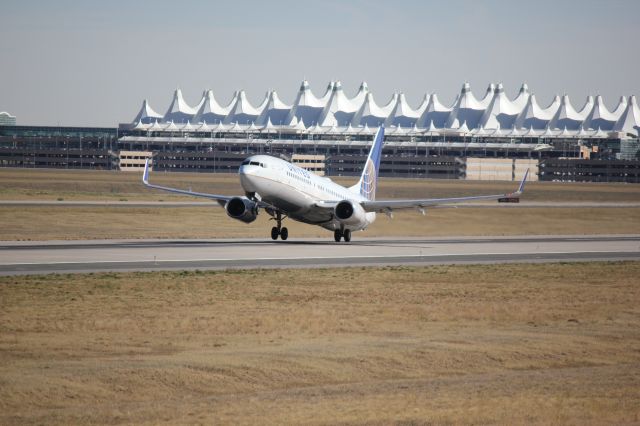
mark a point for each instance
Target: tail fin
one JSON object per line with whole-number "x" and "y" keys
{"x": 368, "y": 182}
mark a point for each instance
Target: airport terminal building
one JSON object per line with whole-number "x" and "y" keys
{"x": 490, "y": 137}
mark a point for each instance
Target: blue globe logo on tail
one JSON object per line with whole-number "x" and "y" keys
{"x": 369, "y": 179}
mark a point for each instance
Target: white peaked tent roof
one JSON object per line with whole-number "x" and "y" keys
{"x": 523, "y": 97}
{"x": 336, "y": 109}
{"x": 583, "y": 132}
{"x": 307, "y": 98}
{"x": 327, "y": 93}
{"x": 212, "y": 110}
{"x": 370, "y": 109}
{"x": 274, "y": 108}
{"x": 269, "y": 127}
{"x": 531, "y": 132}
{"x": 141, "y": 126}
{"x": 464, "y": 129}
{"x": 500, "y": 112}
{"x": 366, "y": 130}
{"x": 402, "y": 112}
{"x": 566, "y": 116}
{"x": 600, "y": 134}
{"x": 235, "y": 128}
{"x": 252, "y": 127}
{"x": 553, "y": 106}
{"x": 566, "y": 133}
{"x": 497, "y": 131}
{"x": 262, "y": 105}
{"x": 170, "y": 126}
{"x": 479, "y": 131}
{"x": 156, "y": 127}
{"x": 534, "y": 116}
{"x": 315, "y": 129}
{"x": 599, "y": 116}
{"x": 179, "y": 109}
{"x": 630, "y": 119}
{"x": 299, "y": 126}
{"x": 306, "y": 106}
{"x": 436, "y": 114}
{"x": 334, "y": 129}
{"x": 548, "y": 132}
{"x": 398, "y": 130}
{"x": 466, "y": 108}
{"x": 432, "y": 127}
{"x": 423, "y": 105}
{"x": 414, "y": 130}
{"x": 147, "y": 115}
{"x": 358, "y": 99}
{"x": 338, "y": 103}
{"x": 586, "y": 109}
{"x": 467, "y": 99}
{"x": 515, "y": 132}
{"x": 350, "y": 130}
{"x": 242, "y": 110}
{"x": 488, "y": 96}
{"x": 187, "y": 126}
{"x": 220, "y": 127}
{"x": 200, "y": 103}
{"x": 204, "y": 127}
{"x": 622, "y": 105}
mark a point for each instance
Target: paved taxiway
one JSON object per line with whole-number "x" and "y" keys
{"x": 147, "y": 255}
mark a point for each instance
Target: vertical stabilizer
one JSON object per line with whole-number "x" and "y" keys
{"x": 368, "y": 182}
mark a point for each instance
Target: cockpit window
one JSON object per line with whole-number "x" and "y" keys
{"x": 263, "y": 165}
{"x": 254, "y": 163}
{"x": 245, "y": 162}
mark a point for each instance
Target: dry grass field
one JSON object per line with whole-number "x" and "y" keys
{"x": 69, "y": 185}
{"x": 508, "y": 344}
{"x": 210, "y": 221}
{"x": 71, "y": 223}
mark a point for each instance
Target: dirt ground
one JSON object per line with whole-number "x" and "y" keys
{"x": 507, "y": 344}
{"x": 71, "y": 223}
{"x": 69, "y": 185}
{"x": 210, "y": 221}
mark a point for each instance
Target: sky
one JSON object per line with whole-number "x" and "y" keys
{"x": 91, "y": 63}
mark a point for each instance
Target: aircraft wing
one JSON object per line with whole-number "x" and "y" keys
{"x": 221, "y": 199}
{"x": 388, "y": 205}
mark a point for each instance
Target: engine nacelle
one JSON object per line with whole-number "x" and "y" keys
{"x": 242, "y": 209}
{"x": 349, "y": 213}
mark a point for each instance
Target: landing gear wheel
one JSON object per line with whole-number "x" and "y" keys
{"x": 274, "y": 233}
{"x": 347, "y": 235}
{"x": 284, "y": 233}
{"x": 337, "y": 235}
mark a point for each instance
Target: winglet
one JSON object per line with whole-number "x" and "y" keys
{"x": 145, "y": 175}
{"x": 524, "y": 180}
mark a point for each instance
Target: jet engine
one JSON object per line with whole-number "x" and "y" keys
{"x": 242, "y": 209}
{"x": 349, "y": 213}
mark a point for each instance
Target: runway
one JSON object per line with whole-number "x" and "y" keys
{"x": 18, "y": 258}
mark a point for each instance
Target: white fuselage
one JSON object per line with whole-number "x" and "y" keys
{"x": 298, "y": 192}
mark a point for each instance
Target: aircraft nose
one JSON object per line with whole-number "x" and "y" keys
{"x": 247, "y": 178}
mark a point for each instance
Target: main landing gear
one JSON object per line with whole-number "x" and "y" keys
{"x": 339, "y": 234}
{"x": 279, "y": 230}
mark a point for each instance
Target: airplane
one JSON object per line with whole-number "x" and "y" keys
{"x": 284, "y": 190}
